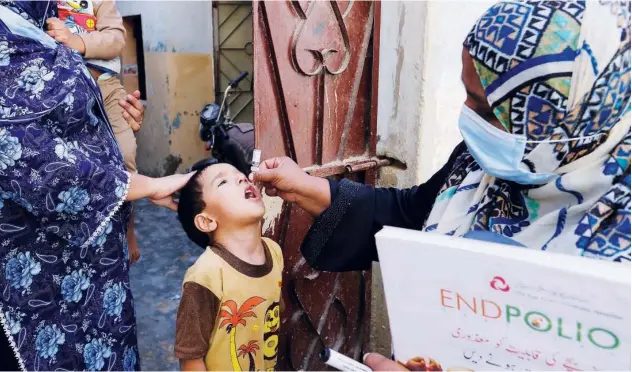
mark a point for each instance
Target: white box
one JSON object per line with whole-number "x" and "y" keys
{"x": 473, "y": 305}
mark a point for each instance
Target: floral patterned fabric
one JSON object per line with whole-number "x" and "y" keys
{"x": 64, "y": 289}
{"x": 552, "y": 71}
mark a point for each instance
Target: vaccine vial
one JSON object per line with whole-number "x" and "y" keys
{"x": 256, "y": 160}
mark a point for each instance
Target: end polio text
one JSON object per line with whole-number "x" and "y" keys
{"x": 535, "y": 320}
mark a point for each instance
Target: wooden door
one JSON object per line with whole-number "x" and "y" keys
{"x": 315, "y": 65}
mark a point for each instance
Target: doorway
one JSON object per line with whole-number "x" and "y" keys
{"x": 233, "y": 54}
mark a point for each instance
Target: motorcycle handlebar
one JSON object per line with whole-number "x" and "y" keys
{"x": 238, "y": 79}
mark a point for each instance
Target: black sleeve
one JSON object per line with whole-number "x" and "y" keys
{"x": 342, "y": 237}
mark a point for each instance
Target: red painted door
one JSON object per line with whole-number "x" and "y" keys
{"x": 315, "y": 65}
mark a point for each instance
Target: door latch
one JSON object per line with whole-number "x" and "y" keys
{"x": 349, "y": 166}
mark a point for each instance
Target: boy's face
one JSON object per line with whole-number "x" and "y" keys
{"x": 231, "y": 200}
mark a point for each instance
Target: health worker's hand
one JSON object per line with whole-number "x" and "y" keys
{"x": 282, "y": 177}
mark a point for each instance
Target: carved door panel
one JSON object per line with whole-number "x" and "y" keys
{"x": 315, "y": 65}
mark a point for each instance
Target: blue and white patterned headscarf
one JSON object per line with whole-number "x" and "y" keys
{"x": 552, "y": 70}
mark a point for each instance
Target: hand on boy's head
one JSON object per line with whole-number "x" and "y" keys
{"x": 167, "y": 202}
{"x": 163, "y": 189}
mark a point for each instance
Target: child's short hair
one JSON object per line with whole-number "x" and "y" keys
{"x": 190, "y": 204}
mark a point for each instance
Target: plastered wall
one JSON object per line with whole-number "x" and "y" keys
{"x": 178, "y": 48}
{"x": 420, "y": 96}
{"x": 420, "y": 93}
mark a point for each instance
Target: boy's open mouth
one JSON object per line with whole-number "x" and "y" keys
{"x": 250, "y": 193}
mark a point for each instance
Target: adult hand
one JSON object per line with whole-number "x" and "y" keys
{"x": 163, "y": 189}
{"x": 58, "y": 30}
{"x": 282, "y": 177}
{"x": 134, "y": 110}
{"x": 378, "y": 362}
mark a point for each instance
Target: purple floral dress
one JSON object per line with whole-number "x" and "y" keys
{"x": 65, "y": 300}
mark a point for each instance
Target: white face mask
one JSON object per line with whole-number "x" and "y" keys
{"x": 498, "y": 153}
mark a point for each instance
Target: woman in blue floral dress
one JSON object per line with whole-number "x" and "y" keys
{"x": 65, "y": 300}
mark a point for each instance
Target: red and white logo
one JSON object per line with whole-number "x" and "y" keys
{"x": 499, "y": 284}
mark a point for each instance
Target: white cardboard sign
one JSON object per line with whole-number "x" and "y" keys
{"x": 471, "y": 305}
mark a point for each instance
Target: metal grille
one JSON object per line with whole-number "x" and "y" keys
{"x": 233, "y": 54}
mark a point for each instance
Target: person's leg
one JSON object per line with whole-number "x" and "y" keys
{"x": 112, "y": 92}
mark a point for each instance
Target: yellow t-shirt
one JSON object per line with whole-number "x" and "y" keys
{"x": 244, "y": 335}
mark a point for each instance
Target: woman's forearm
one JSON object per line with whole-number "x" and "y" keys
{"x": 315, "y": 196}
{"x": 140, "y": 187}
{"x": 341, "y": 238}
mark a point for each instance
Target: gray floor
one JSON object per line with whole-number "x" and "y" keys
{"x": 156, "y": 280}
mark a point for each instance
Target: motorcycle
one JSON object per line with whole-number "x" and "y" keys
{"x": 227, "y": 141}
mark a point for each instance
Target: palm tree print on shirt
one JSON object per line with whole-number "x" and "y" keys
{"x": 231, "y": 318}
{"x": 250, "y": 350}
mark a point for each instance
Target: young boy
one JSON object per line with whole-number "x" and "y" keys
{"x": 229, "y": 314}
{"x": 95, "y": 30}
